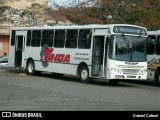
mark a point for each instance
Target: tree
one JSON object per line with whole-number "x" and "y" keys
{"x": 139, "y": 12}
{"x": 4, "y": 10}
{"x": 36, "y": 14}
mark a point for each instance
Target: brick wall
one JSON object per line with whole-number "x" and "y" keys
{"x": 4, "y": 45}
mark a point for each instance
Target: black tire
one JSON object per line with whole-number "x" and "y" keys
{"x": 157, "y": 78}
{"x": 30, "y": 68}
{"x": 114, "y": 82}
{"x": 84, "y": 75}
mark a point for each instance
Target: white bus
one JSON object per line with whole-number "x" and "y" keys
{"x": 112, "y": 52}
{"x": 153, "y": 56}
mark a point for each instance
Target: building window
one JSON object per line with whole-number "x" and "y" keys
{"x": 71, "y": 38}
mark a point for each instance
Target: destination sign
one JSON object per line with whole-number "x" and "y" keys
{"x": 129, "y": 30}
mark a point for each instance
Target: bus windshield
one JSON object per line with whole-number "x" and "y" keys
{"x": 127, "y": 48}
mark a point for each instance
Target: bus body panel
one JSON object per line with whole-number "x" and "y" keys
{"x": 56, "y": 65}
{"x": 18, "y": 48}
{"x": 100, "y": 32}
{"x": 153, "y": 65}
{"x": 67, "y": 60}
{"x": 11, "y": 58}
{"x": 153, "y": 56}
{"x": 126, "y": 70}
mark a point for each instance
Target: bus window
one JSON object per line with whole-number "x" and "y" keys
{"x": 158, "y": 46}
{"x": 28, "y": 43}
{"x": 13, "y": 38}
{"x": 151, "y": 45}
{"x": 36, "y": 38}
{"x": 84, "y": 39}
{"x": 71, "y": 38}
{"x": 47, "y": 38}
{"x": 59, "y": 39}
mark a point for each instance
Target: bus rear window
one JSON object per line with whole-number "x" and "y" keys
{"x": 13, "y": 38}
{"x": 28, "y": 43}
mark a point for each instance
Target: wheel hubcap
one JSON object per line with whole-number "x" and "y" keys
{"x": 30, "y": 68}
{"x": 84, "y": 74}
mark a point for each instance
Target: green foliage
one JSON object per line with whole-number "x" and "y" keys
{"x": 139, "y": 12}
{"x": 3, "y": 13}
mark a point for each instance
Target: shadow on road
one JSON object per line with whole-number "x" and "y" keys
{"x": 101, "y": 82}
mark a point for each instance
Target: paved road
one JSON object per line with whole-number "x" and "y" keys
{"x": 44, "y": 92}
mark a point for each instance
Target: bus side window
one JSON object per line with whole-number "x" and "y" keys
{"x": 71, "y": 38}
{"x": 13, "y": 38}
{"x": 47, "y": 38}
{"x": 36, "y": 38}
{"x": 59, "y": 39}
{"x": 158, "y": 46}
{"x": 84, "y": 41}
{"x": 28, "y": 43}
{"x": 151, "y": 45}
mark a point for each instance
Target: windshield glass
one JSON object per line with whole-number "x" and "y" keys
{"x": 127, "y": 48}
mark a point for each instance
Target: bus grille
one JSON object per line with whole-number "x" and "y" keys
{"x": 130, "y": 71}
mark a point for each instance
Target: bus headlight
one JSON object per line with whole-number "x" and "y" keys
{"x": 142, "y": 71}
{"x": 116, "y": 70}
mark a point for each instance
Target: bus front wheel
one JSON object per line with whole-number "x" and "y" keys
{"x": 84, "y": 75}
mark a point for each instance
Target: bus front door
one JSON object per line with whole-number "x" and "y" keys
{"x": 19, "y": 50}
{"x": 99, "y": 56}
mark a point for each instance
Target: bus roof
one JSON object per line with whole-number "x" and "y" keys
{"x": 154, "y": 32}
{"x": 92, "y": 26}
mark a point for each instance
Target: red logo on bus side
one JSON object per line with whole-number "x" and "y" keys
{"x": 51, "y": 57}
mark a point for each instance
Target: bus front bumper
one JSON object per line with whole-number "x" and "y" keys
{"x": 112, "y": 75}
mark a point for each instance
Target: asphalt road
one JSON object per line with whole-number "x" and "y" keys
{"x": 48, "y": 93}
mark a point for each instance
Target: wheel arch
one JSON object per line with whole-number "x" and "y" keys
{"x": 29, "y": 59}
{"x": 80, "y": 66}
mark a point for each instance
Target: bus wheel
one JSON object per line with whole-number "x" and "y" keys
{"x": 157, "y": 78}
{"x": 30, "y": 67}
{"x": 114, "y": 82}
{"x": 84, "y": 75}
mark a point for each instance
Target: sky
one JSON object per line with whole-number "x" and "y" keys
{"x": 65, "y": 2}
{"x": 61, "y": 2}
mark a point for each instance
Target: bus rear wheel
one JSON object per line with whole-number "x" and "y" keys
{"x": 84, "y": 75}
{"x": 31, "y": 67}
